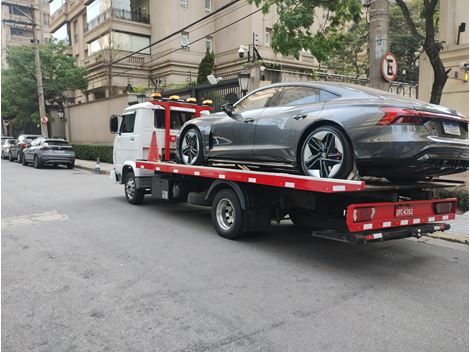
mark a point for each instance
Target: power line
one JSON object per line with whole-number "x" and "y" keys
{"x": 177, "y": 32}
{"x": 205, "y": 24}
{"x": 194, "y": 41}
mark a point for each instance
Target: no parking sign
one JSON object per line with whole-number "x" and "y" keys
{"x": 44, "y": 119}
{"x": 389, "y": 67}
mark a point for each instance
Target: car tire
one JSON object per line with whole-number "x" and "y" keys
{"x": 227, "y": 214}
{"x": 70, "y": 166}
{"x": 10, "y": 157}
{"x": 133, "y": 195}
{"x": 191, "y": 147}
{"x": 37, "y": 162}
{"x": 334, "y": 153}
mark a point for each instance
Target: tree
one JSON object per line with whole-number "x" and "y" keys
{"x": 402, "y": 43}
{"x": 19, "y": 90}
{"x": 205, "y": 67}
{"x": 292, "y": 32}
{"x": 430, "y": 42}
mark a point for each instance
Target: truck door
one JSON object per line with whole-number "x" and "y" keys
{"x": 124, "y": 144}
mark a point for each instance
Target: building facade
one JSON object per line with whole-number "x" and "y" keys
{"x": 100, "y": 32}
{"x": 453, "y": 32}
{"x": 17, "y": 28}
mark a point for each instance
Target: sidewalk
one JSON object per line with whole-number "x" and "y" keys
{"x": 90, "y": 165}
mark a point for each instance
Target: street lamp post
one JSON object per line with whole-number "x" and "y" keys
{"x": 244, "y": 81}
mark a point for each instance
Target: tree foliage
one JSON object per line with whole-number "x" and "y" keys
{"x": 402, "y": 43}
{"x": 205, "y": 67}
{"x": 19, "y": 89}
{"x": 351, "y": 56}
{"x": 297, "y": 18}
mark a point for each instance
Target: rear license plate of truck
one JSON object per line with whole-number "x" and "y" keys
{"x": 402, "y": 211}
{"x": 451, "y": 128}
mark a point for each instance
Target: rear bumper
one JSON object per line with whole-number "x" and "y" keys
{"x": 53, "y": 159}
{"x": 384, "y": 234}
{"x": 431, "y": 161}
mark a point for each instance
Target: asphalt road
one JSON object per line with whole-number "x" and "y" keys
{"x": 89, "y": 272}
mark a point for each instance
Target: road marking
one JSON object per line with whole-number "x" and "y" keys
{"x": 47, "y": 216}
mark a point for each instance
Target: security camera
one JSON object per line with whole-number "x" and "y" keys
{"x": 241, "y": 52}
{"x": 213, "y": 80}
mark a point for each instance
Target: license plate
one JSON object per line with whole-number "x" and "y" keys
{"x": 451, "y": 128}
{"x": 402, "y": 211}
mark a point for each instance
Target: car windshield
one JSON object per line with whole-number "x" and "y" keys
{"x": 61, "y": 143}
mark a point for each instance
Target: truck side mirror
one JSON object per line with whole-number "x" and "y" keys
{"x": 228, "y": 109}
{"x": 114, "y": 124}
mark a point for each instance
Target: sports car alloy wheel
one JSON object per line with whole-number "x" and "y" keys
{"x": 191, "y": 148}
{"x": 323, "y": 153}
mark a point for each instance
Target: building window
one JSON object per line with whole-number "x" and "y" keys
{"x": 267, "y": 36}
{"x": 130, "y": 42}
{"x": 75, "y": 31}
{"x": 209, "y": 45}
{"x": 19, "y": 10}
{"x": 208, "y": 5}
{"x": 55, "y": 5}
{"x": 22, "y": 32}
{"x": 184, "y": 3}
{"x": 98, "y": 44}
{"x": 185, "y": 40}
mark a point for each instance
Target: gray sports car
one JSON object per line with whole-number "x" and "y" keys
{"x": 330, "y": 130}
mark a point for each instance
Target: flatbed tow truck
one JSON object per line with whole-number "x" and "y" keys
{"x": 242, "y": 200}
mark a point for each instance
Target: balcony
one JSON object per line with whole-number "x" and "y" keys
{"x": 117, "y": 14}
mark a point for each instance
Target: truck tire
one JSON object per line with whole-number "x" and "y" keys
{"x": 133, "y": 195}
{"x": 227, "y": 214}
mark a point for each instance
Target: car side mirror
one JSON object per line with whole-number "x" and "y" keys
{"x": 228, "y": 109}
{"x": 114, "y": 124}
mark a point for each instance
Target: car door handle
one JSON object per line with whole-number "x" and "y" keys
{"x": 249, "y": 120}
{"x": 299, "y": 117}
{"x": 131, "y": 139}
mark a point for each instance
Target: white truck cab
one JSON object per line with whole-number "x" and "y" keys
{"x": 134, "y": 129}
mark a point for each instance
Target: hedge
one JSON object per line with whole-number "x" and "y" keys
{"x": 93, "y": 151}
{"x": 460, "y": 193}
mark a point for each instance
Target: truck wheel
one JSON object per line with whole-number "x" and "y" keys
{"x": 133, "y": 195}
{"x": 227, "y": 214}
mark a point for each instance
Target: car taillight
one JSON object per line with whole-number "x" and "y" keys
{"x": 412, "y": 117}
{"x": 443, "y": 207}
{"x": 363, "y": 214}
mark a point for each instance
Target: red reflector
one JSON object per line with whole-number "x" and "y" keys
{"x": 363, "y": 214}
{"x": 443, "y": 207}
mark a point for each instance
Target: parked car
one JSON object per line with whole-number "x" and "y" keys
{"x": 16, "y": 150}
{"x": 326, "y": 129}
{"x": 6, "y": 144}
{"x": 49, "y": 151}
{"x": 4, "y": 138}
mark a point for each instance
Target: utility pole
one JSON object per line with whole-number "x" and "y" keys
{"x": 379, "y": 43}
{"x": 37, "y": 62}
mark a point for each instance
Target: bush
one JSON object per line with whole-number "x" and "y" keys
{"x": 460, "y": 193}
{"x": 93, "y": 151}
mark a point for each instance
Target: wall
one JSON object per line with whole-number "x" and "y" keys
{"x": 88, "y": 123}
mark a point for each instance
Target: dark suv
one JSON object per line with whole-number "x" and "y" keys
{"x": 49, "y": 151}
{"x": 23, "y": 141}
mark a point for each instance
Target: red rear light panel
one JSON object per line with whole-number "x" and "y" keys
{"x": 414, "y": 117}
{"x": 395, "y": 214}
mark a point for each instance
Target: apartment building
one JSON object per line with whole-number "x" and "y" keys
{"x": 453, "y": 32}
{"x": 17, "y": 28}
{"x": 100, "y": 32}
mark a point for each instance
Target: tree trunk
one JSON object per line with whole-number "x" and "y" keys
{"x": 440, "y": 74}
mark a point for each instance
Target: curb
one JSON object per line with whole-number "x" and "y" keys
{"x": 452, "y": 238}
{"x": 103, "y": 172}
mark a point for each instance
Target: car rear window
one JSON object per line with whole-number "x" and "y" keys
{"x": 61, "y": 143}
